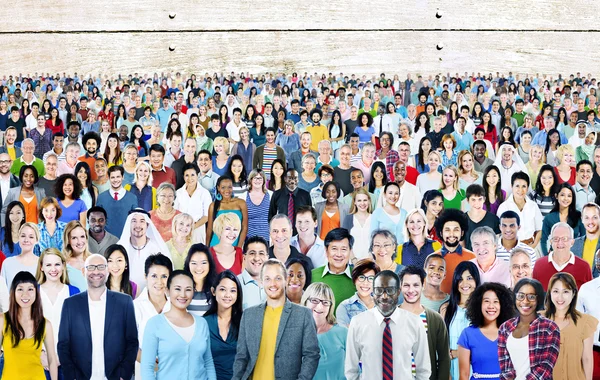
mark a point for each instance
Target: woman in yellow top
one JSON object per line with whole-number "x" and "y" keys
{"x": 24, "y": 331}
{"x": 577, "y": 330}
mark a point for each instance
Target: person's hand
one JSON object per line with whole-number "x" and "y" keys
{"x": 45, "y": 360}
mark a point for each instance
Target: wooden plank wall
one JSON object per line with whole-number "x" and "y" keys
{"x": 396, "y": 36}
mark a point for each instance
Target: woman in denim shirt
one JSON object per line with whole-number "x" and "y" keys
{"x": 362, "y": 276}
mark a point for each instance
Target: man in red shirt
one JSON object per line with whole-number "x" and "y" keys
{"x": 561, "y": 259}
{"x": 403, "y": 154}
{"x": 160, "y": 173}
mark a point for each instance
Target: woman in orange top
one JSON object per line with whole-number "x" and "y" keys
{"x": 331, "y": 212}
{"x": 28, "y": 194}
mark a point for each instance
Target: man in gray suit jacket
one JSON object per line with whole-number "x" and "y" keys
{"x": 590, "y": 217}
{"x": 287, "y": 327}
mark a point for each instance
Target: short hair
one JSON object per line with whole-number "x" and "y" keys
{"x": 49, "y": 201}
{"x": 390, "y": 274}
{"x": 157, "y": 148}
{"x": 537, "y": 287}
{"x": 273, "y": 262}
{"x": 96, "y": 209}
{"x": 386, "y": 234}
{"x": 338, "y": 234}
{"x": 36, "y": 176}
{"x": 483, "y": 230}
{"x": 583, "y": 162}
{"x": 159, "y": 260}
{"x": 254, "y": 240}
{"x": 475, "y": 190}
{"x": 519, "y": 251}
{"x": 226, "y": 219}
{"x": 519, "y": 176}
{"x": 510, "y": 214}
{"x": 222, "y": 141}
{"x": 479, "y": 142}
{"x": 507, "y": 307}
{"x": 591, "y": 205}
{"x": 280, "y": 216}
{"x": 116, "y": 168}
{"x": 413, "y": 269}
{"x": 338, "y": 190}
{"x": 362, "y": 266}
{"x": 560, "y": 152}
{"x": 561, "y": 224}
{"x": 307, "y": 209}
{"x": 305, "y": 265}
{"x": 324, "y": 292}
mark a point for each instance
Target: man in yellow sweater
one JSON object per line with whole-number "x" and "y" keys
{"x": 317, "y": 131}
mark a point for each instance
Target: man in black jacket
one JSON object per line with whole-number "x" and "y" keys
{"x": 281, "y": 202}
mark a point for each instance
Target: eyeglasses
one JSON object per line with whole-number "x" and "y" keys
{"x": 530, "y": 297}
{"x": 363, "y": 278}
{"x": 519, "y": 267}
{"x": 5, "y": 162}
{"x": 379, "y": 246}
{"x": 563, "y": 239}
{"x": 92, "y": 267}
{"x": 390, "y": 291}
{"x": 316, "y": 301}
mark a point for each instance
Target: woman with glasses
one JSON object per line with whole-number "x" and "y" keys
{"x": 319, "y": 298}
{"x": 518, "y": 359}
{"x": 363, "y": 275}
{"x": 383, "y": 248}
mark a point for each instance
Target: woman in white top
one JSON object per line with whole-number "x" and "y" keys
{"x": 153, "y": 299}
{"x": 195, "y": 200}
{"x": 52, "y": 276}
{"x": 466, "y": 169}
{"x": 358, "y": 222}
{"x": 431, "y": 180}
{"x": 29, "y": 235}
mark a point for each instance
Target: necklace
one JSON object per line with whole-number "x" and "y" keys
{"x": 139, "y": 248}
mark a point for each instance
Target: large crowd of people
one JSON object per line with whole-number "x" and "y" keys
{"x": 300, "y": 227}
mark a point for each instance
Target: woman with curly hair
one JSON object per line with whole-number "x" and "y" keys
{"x": 489, "y": 306}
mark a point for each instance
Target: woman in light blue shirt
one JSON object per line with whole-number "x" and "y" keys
{"x": 180, "y": 340}
{"x": 319, "y": 298}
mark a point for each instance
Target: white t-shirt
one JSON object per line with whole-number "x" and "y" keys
{"x": 518, "y": 349}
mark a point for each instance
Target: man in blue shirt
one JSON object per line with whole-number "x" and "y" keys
{"x": 164, "y": 113}
{"x": 540, "y": 137}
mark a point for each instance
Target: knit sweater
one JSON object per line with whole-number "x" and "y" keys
{"x": 117, "y": 210}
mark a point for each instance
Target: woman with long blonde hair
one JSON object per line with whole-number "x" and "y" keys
{"x": 453, "y": 195}
{"x": 466, "y": 169}
{"x": 142, "y": 186}
{"x": 181, "y": 241}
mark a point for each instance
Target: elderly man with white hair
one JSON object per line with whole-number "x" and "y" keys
{"x": 562, "y": 259}
{"x": 491, "y": 268}
{"x": 141, "y": 239}
{"x": 325, "y": 155}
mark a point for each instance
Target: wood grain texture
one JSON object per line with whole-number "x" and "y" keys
{"x": 227, "y": 15}
{"x": 255, "y": 52}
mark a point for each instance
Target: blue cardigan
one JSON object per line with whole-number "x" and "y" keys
{"x": 177, "y": 359}
{"x": 381, "y": 220}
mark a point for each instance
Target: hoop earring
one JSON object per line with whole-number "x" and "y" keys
{"x": 218, "y": 197}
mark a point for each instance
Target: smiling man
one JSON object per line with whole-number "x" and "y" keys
{"x": 116, "y": 201}
{"x": 100, "y": 239}
{"x": 288, "y": 199}
{"x": 307, "y": 241}
{"x": 382, "y": 340}
{"x": 451, "y": 226}
{"x": 277, "y": 339}
{"x": 491, "y": 269}
{"x": 587, "y": 246}
{"x": 255, "y": 254}
{"x": 82, "y": 336}
{"x": 337, "y": 273}
{"x": 583, "y": 191}
{"x": 412, "y": 280}
{"x": 520, "y": 266}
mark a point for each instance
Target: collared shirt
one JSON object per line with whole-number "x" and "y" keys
{"x": 391, "y": 158}
{"x": 254, "y": 293}
{"x": 144, "y": 310}
{"x": 97, "y": 311}
{"x": 498, "y": 272}
{"x": 316, "y": 253}
{"x": 365, "y": 336}
{"x": 120, "y": 194}
{"x": 558, "y": 267}
{"x": 504, "y": 254}
{"x": 51, "y": 241}
{"x": 544, "y": 346}
{"x": 348, "y": 309}
{"x": 347, "y": 271}
{"x": 587, "y": 302}
{"x": 583, "y": 196}
{"x": 531, "y": 217}
{"x": 209, "y": 181}
{"x": 294, "y": 254}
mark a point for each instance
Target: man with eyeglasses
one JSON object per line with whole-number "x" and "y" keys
{"x": 256, "y": 252}
{"x": 561, "y": 259}
{"x": 93, "y": 320}
{"x": 412, "y": 282}
{"x": 382, "y": 340}
{"x": 277, "y": 338}
{"x": 337, "y": 273}
{"x": 587, "y": 302}
{"x": 520, "y": 266}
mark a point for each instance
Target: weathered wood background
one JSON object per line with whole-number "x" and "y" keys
{"x": 395, "y": 36}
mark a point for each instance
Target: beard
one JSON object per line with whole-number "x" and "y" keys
{"x": 452, "y": 244}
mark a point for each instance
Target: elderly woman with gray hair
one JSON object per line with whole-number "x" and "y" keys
{"x": 162, "y": 217}
{"x": 383, "y": 247}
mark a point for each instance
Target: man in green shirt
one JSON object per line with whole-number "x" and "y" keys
{"x": 337, "y": 273}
